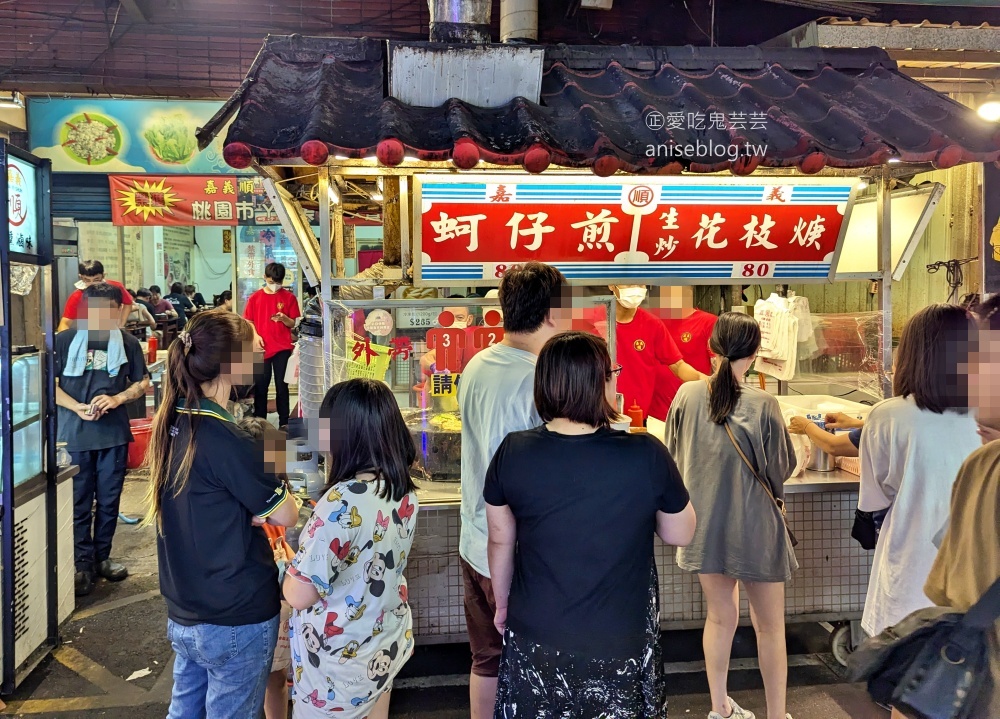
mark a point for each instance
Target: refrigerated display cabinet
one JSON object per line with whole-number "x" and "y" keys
{"x": 36, "y": 497}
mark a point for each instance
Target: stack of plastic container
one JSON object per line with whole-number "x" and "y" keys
{"x": 312, "y": 367}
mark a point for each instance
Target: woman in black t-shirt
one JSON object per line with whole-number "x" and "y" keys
{"x": 209, "y": 495}
{"x": 572, "y": 507}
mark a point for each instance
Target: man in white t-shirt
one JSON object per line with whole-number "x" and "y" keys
{"x": 496, "y": 397}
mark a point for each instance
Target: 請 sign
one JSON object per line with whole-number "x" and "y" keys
{"x": 655, "y": 230}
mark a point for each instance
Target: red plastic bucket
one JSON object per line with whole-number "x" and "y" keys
{"x": 141, "y": 431}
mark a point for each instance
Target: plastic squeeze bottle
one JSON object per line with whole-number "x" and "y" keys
{"x": 635, "y": 414}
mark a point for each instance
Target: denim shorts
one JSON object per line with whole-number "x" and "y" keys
{"x": 220, "y": 672}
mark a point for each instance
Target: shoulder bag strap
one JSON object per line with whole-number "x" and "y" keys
{"x": 986, "y": 611}
{"x": 763, "y": 483}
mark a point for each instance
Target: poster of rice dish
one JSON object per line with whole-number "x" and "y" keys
{"x": 107, "y": 135}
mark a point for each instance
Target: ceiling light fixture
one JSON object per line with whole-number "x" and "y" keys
{"x": 863, "y": 185}
{"x": 894, "y": 160}
{"x": 12, "y": 99}
{"x": 989, "y": 110}
{"x": 334, "y": 195}
{"x": 377, "y": 196}
{"x": 341, "y": 157}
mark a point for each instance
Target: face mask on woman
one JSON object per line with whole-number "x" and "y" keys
{"x": 272, "y": 287}
{"x": 631, "y": 297}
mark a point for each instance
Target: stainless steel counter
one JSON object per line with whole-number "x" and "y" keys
{"x": 836, "y": 481}
{"x": 443, "y": 494}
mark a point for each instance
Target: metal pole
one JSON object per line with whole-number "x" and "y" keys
{"x": 884, "y": 238}
{"x": 325, "y": 267}
{"x": 325, "y": 259}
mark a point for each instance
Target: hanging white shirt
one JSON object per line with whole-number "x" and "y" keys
{"x": 909, "y": 460}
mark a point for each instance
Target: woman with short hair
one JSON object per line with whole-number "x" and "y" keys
{"x": 735, "y": 454}
{"x": 911, "y": 450}
{"x": 572, "y": 507}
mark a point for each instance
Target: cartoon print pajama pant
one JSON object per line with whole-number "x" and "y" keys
{"x": 538, "y": 682}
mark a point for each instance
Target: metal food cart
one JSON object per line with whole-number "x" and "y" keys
{"x": 563, "y": 134}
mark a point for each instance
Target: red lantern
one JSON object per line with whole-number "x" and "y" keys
{"x": 314, "y": 152}
{"x": 237, "y": 155}
{"x": 948, "y": 156}
{"x": 813, "y": 163}
{"x": 389, "y": 152}
{"x": 465, "y": 155}
{"x": 745, "y": 165}
{"x": 606, "y": 166}
{"x": 537, "y": 159}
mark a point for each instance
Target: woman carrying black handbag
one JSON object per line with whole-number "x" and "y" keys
{"x": 964, "y": 575}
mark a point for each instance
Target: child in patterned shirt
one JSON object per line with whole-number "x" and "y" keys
{"x": 351, "y": 628}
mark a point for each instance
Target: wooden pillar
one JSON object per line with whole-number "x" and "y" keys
{"x": 391, "y": 231}
{"x": 338, "y": 239}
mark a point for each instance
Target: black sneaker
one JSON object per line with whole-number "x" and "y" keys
{"x": 112, "y": 571}
{"x": 83, "y": 584}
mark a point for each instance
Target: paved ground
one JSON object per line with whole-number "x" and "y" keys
{"x": 120, "y": 629}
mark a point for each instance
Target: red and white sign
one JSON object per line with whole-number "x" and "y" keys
{"x": 654, "y": 230}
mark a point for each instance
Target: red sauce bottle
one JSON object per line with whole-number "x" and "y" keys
{"x": 635, "y": 413}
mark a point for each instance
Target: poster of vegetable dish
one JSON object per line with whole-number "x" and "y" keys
{"x": 139, "y": 136}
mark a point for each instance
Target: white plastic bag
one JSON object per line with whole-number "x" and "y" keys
{"x": 803, "y": 447}
{"x": 292, "y": 369}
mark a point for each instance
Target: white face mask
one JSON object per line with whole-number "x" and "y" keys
{"x": 80, "y": 285}
{"x": 271, "y": 287}
{"x": 631, "y": 297}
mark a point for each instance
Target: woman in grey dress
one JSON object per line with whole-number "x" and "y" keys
{"x": 741, "y": 535}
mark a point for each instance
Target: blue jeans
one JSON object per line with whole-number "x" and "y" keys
{"x": 221, "y": 672}
{"x": 101, "y": 478}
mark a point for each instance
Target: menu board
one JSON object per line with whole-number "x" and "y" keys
{"x": 178, "y": 246}
{"x": 100, "y": 241}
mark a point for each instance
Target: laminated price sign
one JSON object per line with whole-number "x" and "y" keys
{"x": 444, "y": 384}
{"x": 640, "y": 230}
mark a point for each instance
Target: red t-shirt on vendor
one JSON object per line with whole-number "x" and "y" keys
{"x": 261, "y": 307}
{"x": 75, "y": 308}
{"x": 691, "y": 336}
{"x": 643, "y": 346}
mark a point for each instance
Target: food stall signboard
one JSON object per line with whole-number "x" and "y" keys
{"x": 676, "y": 230}
{"x": 22, "y": 207}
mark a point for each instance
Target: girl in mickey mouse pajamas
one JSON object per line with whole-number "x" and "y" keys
{"x": 352, "y": 630}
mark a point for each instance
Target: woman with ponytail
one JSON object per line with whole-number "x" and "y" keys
{"x": 209, "y": 494}
{"x": 729, "y": 439}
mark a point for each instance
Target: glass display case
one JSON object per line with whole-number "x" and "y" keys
{"x": 28, "y": 415}
{"x": 421, "y": 348}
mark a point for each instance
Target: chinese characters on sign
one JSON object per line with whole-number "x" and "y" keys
{"x": 444, "y": 384}
{"x": 22, "y": 208}
{"x": 712, "y": 229}
{"x": 593, "y": 233}
{"x": 205, "y": 200}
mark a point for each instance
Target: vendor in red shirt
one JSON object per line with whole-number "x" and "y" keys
{"x": 90, "y": 273}
{"x": 273, "y": 311}
{"x": 643, "y": 348}
{"x": 690, "y": 329}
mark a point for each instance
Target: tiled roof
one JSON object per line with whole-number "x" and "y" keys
{"x": 319, "y": 97}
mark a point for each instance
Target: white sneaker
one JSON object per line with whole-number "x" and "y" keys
{"x": 738, "y": 712}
